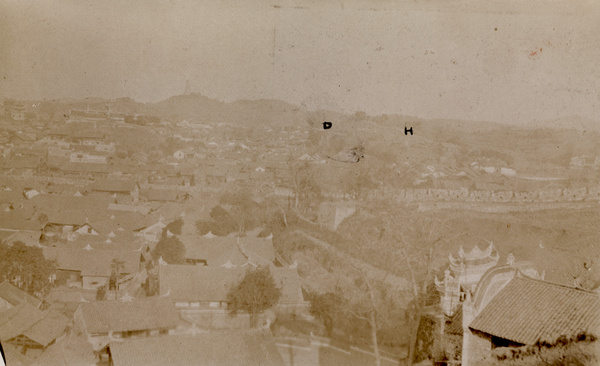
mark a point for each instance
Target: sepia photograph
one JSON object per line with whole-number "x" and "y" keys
{"x": 300, "y": 182}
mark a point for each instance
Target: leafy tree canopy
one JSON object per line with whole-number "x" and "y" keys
{"x": 326, "y": 308}
{"x": 255, "y": 293}
{"x": 170, "y": 248}
{"x": 176, "y": 226}
{"x": 25, "y": 266}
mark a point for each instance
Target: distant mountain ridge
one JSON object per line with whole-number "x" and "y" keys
{"x": 197, "y": 107}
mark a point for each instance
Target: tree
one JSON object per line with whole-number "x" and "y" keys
{"x": 241, "y": 208}
{"x": 170, "y": 248}
{"x": 101, "y": 293}
{"x": 402, "y": 244}
{"x": 356, "y": 183}
{"x": 325, "y": 307}
{"x": 418, "y": 259}
{"x": 26, "y": 267}
{"x": 255, "y": 293}
{"x": 116, "y": 267}
{"x": 176, "y": 226}
{"x": 367, "y": 306}
{"x": 304, "y": 183}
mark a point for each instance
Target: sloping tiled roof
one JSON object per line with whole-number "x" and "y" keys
{"x": 15, "y": 296}
{"x": 122, "y": 316}
{"x": 113, "y": 185}
{"x": 162, "y": 195}
{"x": 92, "y": 262}
{"x": 16, "y": 320}
{"x": 454, "y": 325}
{"x": 219, "y": 250}
{"x": 527, "y": 310}
{"x": 18, "y": 220}
{"x": 215, "y": 251}
{"x": 214, "y": 348}
{"x": 48, "y": 329}
{"x": 563, "y": 266}
{"x": 206, "y": 284}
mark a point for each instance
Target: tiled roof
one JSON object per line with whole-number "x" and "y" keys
{"x": 113, "y": 185}
{"x": 92, "y": 262}
{"x": 144, "y": 210}
{"x": 16, "y": 320}
{"x": 215, "y": 251}
{"x": 94, "y": 207}
{"x": 220, "y": 249}
{"x": 122, "y": 316}
{"x": 22, "y": 162}
{"x": 127, "y": 220}
{"x": 121, "y": 241}
{"x": 18, "y": 220}
{"x": 454, "y": 325}
{"x": 10, "y": 197}
{"x": 160, "y": 195}
{"x": 87, "y": 168}
{"x": 527, "y": 310}
{"x": 214, "y": 348}
{"x": 70, "y": 217}
{"x": 15, "y": 296}
{"x": 206, "y": 284}
{"x": 29, "y": 238}
{"x": 48, "y": 329}
{"x": 564, "y": 266}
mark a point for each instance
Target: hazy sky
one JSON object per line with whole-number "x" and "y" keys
{"x": 501, "y": 61}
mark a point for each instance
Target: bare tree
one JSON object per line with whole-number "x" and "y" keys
{"x": 303, "y": 181}
{"x": 372, "y": 302}
{"x": 418, "y": 258}
{"x": 368, "y": 310}
{"x": 117, "y": 266}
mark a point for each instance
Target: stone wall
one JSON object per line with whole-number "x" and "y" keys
{"x": 484, "y": 195}
{"x": 399, "y": 196}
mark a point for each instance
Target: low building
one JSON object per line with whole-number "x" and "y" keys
{"x": 18, "y": 112}
{"x": 104, "y": 321}
{"x": 90, "y": 268}
{"x": 25, "y": 326}
{"x": 214, "y": 348}
{"x": 196, "y": 289}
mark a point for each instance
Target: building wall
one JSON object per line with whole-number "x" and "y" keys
{"x": 341, "y": 213}
{"x": 477, "y": 347}
{"x": 593, "y": 193}
{"x": 216, "y": 318}
{"x": 575, "y": 194}
{"x": 64, "y": 277}
{"x": 4, "y": 305}
{"x": 502, "y": 196}
{"x": 93, "y": 282}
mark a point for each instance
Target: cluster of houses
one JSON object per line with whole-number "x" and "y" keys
{"x": 92, "y": 213}
{"x": 98, "y": 210}
{"x": 189, "y": 305}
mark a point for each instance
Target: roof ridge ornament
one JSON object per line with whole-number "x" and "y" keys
{"x": 510, "y": 260}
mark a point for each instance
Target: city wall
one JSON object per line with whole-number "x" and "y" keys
{"x": 483, "y": 195}
{"x": 591, "y": 193}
